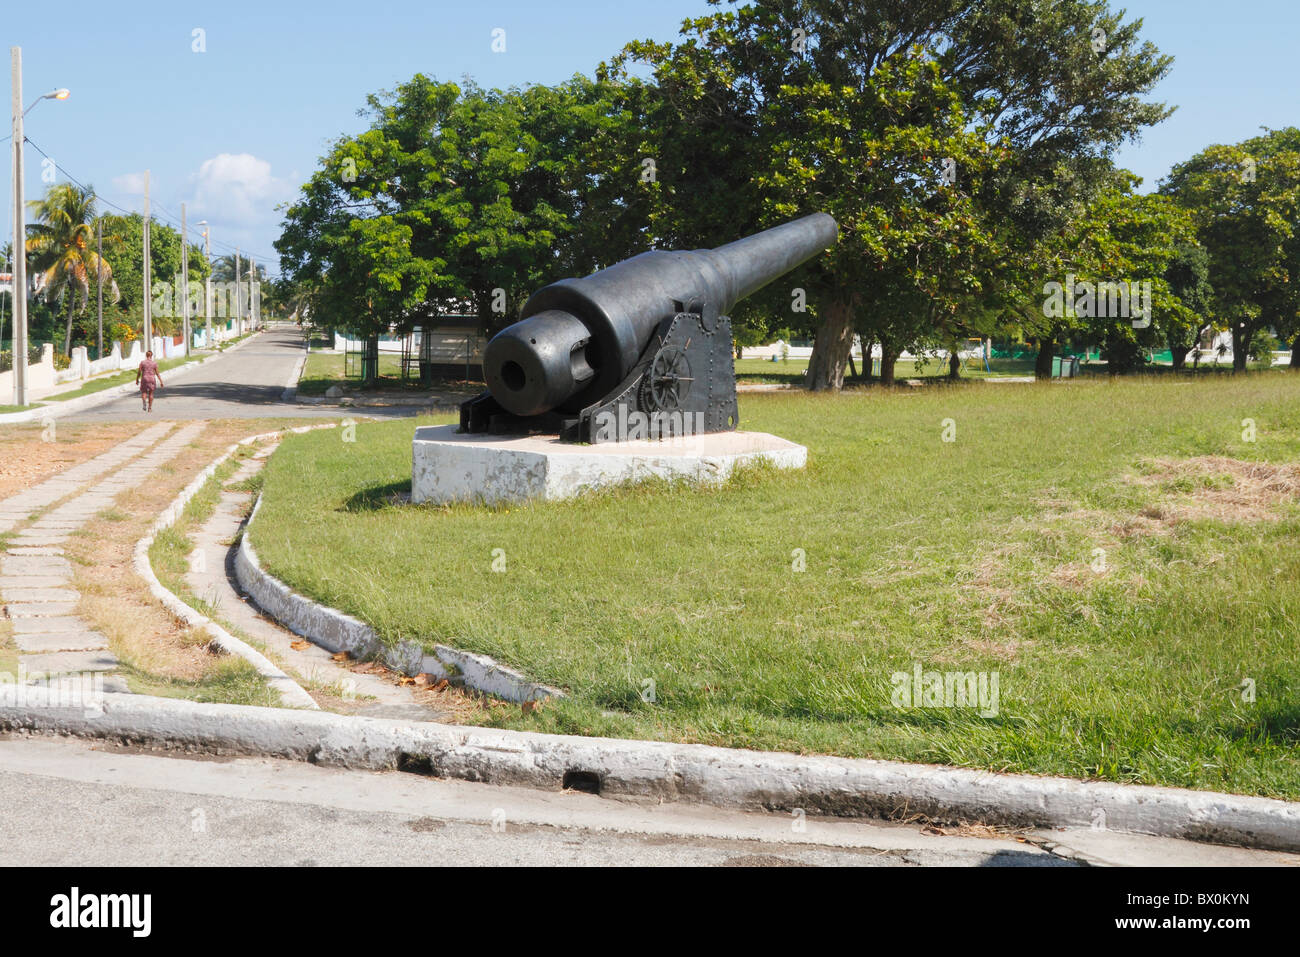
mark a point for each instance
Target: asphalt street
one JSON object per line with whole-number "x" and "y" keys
{"x": 244, "y": 383}
{"x": 69, "y": 802}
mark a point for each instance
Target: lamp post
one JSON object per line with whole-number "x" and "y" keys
{"x": 20, "y": 227}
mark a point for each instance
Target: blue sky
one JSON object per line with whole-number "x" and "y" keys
{"x": 235, "y": 130}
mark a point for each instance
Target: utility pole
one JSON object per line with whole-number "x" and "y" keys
{"x": 148, "y": 293}
{"x": 20, "y": 229}
{"x": 99, "y": 276}
{"x": 185, "y": 273}
{"x": 207, "y": 280}
{"x": 20, "y": 225}
{"x": 239, "y": 299}
{"x": 252, "y": 298}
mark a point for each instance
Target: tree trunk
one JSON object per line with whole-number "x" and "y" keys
{"x": 954, "y": 365}
{"x": 1240, "y": 344}
{"x": 67, "y": 338}
{"x": 888, "y": 356}
{"x": 1178, "y": 355}
{"x": 1043, "y": 362}
{"x": 867, "y": 346}
{"x": 1295, "y": 353}
{"x": 831, "y": 348}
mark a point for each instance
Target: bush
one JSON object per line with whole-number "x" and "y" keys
{"x": 1262, "y": 347}
{"x": 33, "y": 356}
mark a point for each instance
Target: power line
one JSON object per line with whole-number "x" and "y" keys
{"x": 172, "y": 222}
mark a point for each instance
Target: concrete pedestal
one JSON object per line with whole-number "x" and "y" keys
{"x": 451, "y": 467}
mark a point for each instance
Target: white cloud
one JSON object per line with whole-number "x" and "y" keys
{"x": 130, "y": 184}
{"x": 238, "y": 187}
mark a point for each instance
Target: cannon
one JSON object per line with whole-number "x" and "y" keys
{"x": 640, "y": 350}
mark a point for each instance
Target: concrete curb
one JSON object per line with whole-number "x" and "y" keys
{"x": 662, "y": 771}
{"x": 53, "y": 409}
{"x": 373, "y": 402}
{"x": 293, "y": 694}
{"x": 335, "y": 631}
{"x": 291, "y": 387}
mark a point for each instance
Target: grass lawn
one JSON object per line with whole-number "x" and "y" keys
{"x": 324, "y": 369}
{"x": 979, "y": 554}
{"x": 790, "y": 371}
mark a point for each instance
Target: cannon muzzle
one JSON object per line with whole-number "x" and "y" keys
{"x": 578, "y": 339}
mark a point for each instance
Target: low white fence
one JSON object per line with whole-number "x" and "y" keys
{"x": 43, "y": 378}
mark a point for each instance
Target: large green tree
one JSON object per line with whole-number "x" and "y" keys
{"x": 458, "y": 196}
{"x": 1245, "y": 201}
{"x": 852, "y": 107}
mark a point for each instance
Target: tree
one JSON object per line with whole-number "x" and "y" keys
{"x": 464, "y": 195}
{"x": 1188, "y": 276}
{"x": 62, "y": 242}
{"x": 800, "y": 105}
{"x": 124, "y": 252}
{"x": 1245, "y": 201}
{"x": 1111, "y": 276}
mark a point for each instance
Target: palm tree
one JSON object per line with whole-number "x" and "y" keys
{"x": 62, "y": 244}
{"x": 223, "y": 269}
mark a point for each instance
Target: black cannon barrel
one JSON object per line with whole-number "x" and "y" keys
{"x": 578, "y": 338}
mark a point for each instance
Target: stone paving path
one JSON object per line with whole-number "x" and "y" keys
{"x": 17, "y": 508}
{"x": 35, "y": 577}
{"x": 211, "y": 576}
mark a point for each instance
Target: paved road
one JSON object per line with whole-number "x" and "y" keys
{"x": 243, "y": 384}
{"x": 72, "y": 802}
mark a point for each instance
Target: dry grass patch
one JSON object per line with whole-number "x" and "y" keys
{"x": 8, "y": 651}
{"x": 1218, "y": 489}
{"x": 28, "y": 457}
{"x": 142, "y": 633}
{"x": 965, "y": 648}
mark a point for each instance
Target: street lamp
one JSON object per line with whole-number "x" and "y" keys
{"x": 60, "y": 94}
{"x": 20, "y": 227}
{"x": 207, "y": 280}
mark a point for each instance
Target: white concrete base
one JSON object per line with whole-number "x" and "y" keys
{"x": 448, "y": 466}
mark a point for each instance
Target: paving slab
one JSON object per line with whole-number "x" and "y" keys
{"x": 19, "y": 550}
{"x": 64, "y": 662}
{"x": 34, "y": 565}
{"x": 24, "y": 583}
{"x": 38, "y": 594}
{"x": 59, "y": 641}
{"x": 52, "y": 623}
{"x": 40, "y": 609}
{"x": 84, "y": 686}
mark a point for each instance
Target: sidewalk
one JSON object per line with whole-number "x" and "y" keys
{"x": 38, "y": 591}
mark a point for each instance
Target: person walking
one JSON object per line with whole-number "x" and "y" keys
{"x": 147, "y": 377}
